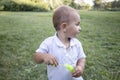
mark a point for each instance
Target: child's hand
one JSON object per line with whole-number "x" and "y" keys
{"x": 50, "y": 59}
{"x": 77, "y": 72}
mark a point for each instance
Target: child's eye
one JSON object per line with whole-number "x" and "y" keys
{"x": 77, "y": 24}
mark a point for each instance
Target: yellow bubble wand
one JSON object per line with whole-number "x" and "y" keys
{"x": 68, "y": 66}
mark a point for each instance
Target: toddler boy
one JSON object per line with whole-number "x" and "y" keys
{"x": 63, "y": 47}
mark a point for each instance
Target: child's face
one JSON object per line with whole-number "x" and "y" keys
{"x": 73, "y": 27}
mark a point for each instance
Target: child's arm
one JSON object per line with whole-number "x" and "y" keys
{"x": 44, "y": 57}
{"x": 79, "y": 67}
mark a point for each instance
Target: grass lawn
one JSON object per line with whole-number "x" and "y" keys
{"x": 22, "y": 32}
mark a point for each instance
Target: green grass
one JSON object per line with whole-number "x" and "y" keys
{"x": 22, "y": 32}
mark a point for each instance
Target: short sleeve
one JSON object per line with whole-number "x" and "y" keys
{"x": 80, "y": 51}
{"x": 43, "y": 48}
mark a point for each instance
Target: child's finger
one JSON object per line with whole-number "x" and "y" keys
{"x": 76, "y": 72}
{"x": 51, "y": 62}
{"x": 55, "y": 62}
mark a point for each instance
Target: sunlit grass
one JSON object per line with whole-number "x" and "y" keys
{"x": 22, "y": 32}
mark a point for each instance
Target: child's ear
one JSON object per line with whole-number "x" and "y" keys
{"x": 63, "y": 26}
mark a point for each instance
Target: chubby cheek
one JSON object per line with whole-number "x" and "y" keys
{"x": 72, "y": 30}
{"x": 75, "y": 31}
{"x": 72, "y": 33}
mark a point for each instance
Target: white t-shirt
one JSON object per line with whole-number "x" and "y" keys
{"x": 54, "y": 46}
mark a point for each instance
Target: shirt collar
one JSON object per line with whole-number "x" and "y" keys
{"x": 60, "y": 44}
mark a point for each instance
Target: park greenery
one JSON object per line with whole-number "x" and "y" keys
{"x": 48, "y": 5}
{"x": 22, "y": 32}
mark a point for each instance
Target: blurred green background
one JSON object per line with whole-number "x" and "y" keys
{"x": 48, "y": 5}
{"x": 22, "y": 32}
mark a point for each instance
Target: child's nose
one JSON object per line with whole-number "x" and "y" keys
{"x": 79, "y": 28}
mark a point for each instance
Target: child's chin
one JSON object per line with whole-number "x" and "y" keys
{"x": 75, "y": 36}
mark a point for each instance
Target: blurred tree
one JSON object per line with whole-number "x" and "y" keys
{"x": 108, "y": 5}
{"x": 51, "y": 4}
{"x": 25, "y": 5}
{"x": 67, "y": 2}
{"x": 85, "y": 6}
{"x": 80, "y": 5}
{"x": 116, "y": 4}
{"x": 74, "y": 5}
{"x": 54, "y": 3}
{"x": 98, "y": 4}
{"x": 103, "y": 4}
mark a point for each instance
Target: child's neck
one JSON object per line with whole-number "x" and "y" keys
{"x": 65, "y": 40}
